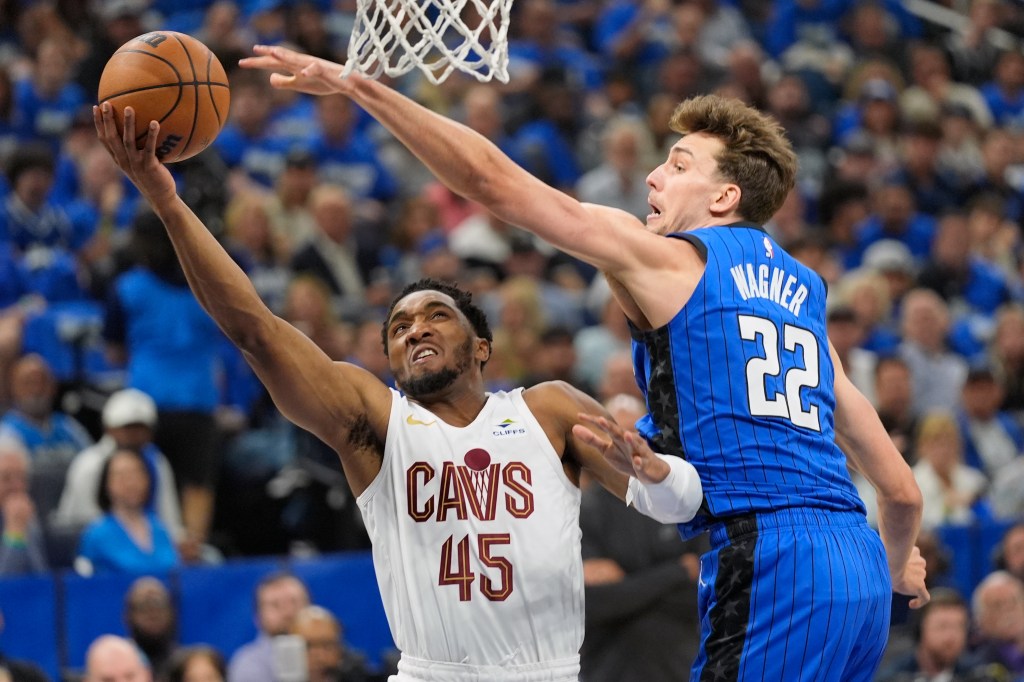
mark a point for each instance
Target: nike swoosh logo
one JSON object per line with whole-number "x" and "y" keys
{"x": 413, "y": 421}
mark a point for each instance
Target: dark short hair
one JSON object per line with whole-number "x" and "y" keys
{"x": 942, "y": 597}
{"x": 463, "y": 301}
{"x": 28, "y": 157}
{"x": 180, "y": 659}
{"x": 102, "y": 496}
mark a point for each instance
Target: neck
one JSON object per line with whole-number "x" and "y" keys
{"x": 929, "y": 664}
{"x": 459, "y": 407}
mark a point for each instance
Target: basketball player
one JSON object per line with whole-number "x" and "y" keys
{"x": 731, "y": 352}
{"x": 470, "y": 498}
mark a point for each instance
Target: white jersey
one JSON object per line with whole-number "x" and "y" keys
{"x": 476, "y": 545}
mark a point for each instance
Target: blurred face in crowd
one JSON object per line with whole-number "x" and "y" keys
{"x": 1013, "y": 551}
{"x": 982, "y": 398}
{"x": 323, "y": 647}
{"x": 925, "y": 319}
{"x": 1000, "y": 612}
{"x": 201, "y": 669}
{"x": 112, "y": 659}
{"x": 127, "y": 480}
{"x": 952, "y": 245}
{"x": 893, "y": 388}
{"x": 944, "y": 634}
{"x": 278, "y": 603}
{"x": 150, "y": 616}
{"x": 33, "y": 387}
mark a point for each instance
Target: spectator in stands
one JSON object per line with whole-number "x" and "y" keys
{"x": 933, "y": 88}
{"x": 966, "y": 282}
{"x": 998, "y": 608}
{"x": 51, "y": 437}
{"x": 940, "y": 643}
{"x": 48, "y": 100}
{"x": 960, "y": 149}
{"x": 288, "y": 207}
{"x": 198, "y": 663}
{"x": 597, "y": 343}
{"x": 114, "y": 658}
{"x": 279, "y": 598}
{"x": 999, "y": 153}
{"x": 894, "y": 400}
{"x": 151, "y": 621}
{"x": 894, "y": 263}
{"x": 22, "y": 549}
{"x": 1009, "y": 555}
{"x": 545, "y": 143}
{"x": 127, "y": 538}
{"x": 129, "y": 419}
{"x": 258, "y": 249}
{"x": 30, "y": 219}
{"x": 347, "y": 157}
{"x": 938, "y": 374}
{"x": 992, "y": 437}
{"x": 308, "y": 306}
{"x": 621, "y": 178}
{"x": 333, "y": 254}
{"x": 1006, "y": 355}
{"x": 327, "y": 657}
{"x": 934, "y": 188}
{"x": 1004, "y": 94}
{"x": 254, "y": 156}
{"x": 640, "y": 580}
{"x": 846, "y": 334}
{"x": 894, "y": 216}
{"x": 172, "y": 350}
{"x": 949, "y": 487}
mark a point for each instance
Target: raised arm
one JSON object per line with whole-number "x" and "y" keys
{"x": 473, "y": 167}
{"x": 335, "y": 401}
{"x": 862, "y": 437}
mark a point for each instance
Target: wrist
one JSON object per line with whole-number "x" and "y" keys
{"x": 14, "y": 539}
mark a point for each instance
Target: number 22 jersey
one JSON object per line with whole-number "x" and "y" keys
{"x": 741, "y": 382}
{"x": 476, "y": 540}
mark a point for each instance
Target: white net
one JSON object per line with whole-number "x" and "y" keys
{"x": 437, "y": 36}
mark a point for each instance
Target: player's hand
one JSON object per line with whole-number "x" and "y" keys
{"x": 911, "y": 581}
{"x": 141, "y": 166}
{"x": 297, "y": 71}
{"x": 625, "y": 450}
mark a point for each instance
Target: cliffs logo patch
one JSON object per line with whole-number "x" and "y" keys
{"x": 508, "y": 428}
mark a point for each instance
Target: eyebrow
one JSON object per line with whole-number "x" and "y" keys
{"x": 402, "y": 313}
{"x": 680, "y": 150}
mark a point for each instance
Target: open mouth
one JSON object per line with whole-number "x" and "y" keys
{"x": 423, "y": 354}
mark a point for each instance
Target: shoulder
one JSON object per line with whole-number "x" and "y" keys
{"x": 551, "y": 395}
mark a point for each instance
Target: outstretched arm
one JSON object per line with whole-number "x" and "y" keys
{"x": 863, "y": 438}
{"x": 473, "y": 167}
{"x": 329, "y": 399}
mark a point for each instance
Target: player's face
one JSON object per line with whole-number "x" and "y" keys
{"x": 684, "y": 190}
{"x": 430, "y": 343}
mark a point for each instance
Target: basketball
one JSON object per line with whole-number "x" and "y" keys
{"x": 171, "y": 78}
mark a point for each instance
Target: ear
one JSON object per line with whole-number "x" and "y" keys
{"x": 483, "y": 350}
{"x": 726, "y": 200}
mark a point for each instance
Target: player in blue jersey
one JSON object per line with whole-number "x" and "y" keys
{"x": 731, "y": 351}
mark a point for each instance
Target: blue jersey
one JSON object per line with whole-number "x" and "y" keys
{"x": 741, "y": 382}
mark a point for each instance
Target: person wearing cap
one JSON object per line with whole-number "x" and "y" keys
{"x": 129, "y": 419}
{"x": 893, "y": 261}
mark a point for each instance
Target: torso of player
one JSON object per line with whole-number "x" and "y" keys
{"x": 741, "y": 380}
{"x": 476, "y": 537}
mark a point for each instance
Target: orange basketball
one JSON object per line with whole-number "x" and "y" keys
{"x": 171, "y": 78}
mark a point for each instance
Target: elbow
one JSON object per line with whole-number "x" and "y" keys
{"x": 252, "y": 336}
{"x": 905, "y": 499}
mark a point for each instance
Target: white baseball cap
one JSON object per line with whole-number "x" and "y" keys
{"x": 129, "y": 406}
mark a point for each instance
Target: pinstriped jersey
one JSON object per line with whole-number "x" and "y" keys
{"x": 741, "y": 381}
{"x": 476, "y": 538}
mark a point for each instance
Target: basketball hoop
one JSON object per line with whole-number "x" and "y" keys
{"x": 437, "y": 36}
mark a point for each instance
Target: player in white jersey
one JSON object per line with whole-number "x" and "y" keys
{"x": 471, "y": 498}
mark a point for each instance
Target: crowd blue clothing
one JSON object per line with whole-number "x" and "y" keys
{"x": 355, "y": 164}
{"x": 173, "y": 344}
{"x": 917, "y": 236}
{"x": 47, "y": 118}
{"x": 110, "y": 549}
{"x": 54, "y": 441}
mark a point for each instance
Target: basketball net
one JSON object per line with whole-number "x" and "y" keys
{"x": 437, "y": 36}
{"x": 481, "y": 482}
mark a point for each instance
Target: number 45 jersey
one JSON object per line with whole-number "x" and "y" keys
{"x": 476, "y": 544}
{"x": 741, "y": 383}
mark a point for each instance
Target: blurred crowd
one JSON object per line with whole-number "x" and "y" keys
{"x": 123, "y": 406}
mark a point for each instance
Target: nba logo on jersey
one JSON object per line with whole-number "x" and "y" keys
{"x": 768, "y": 250}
